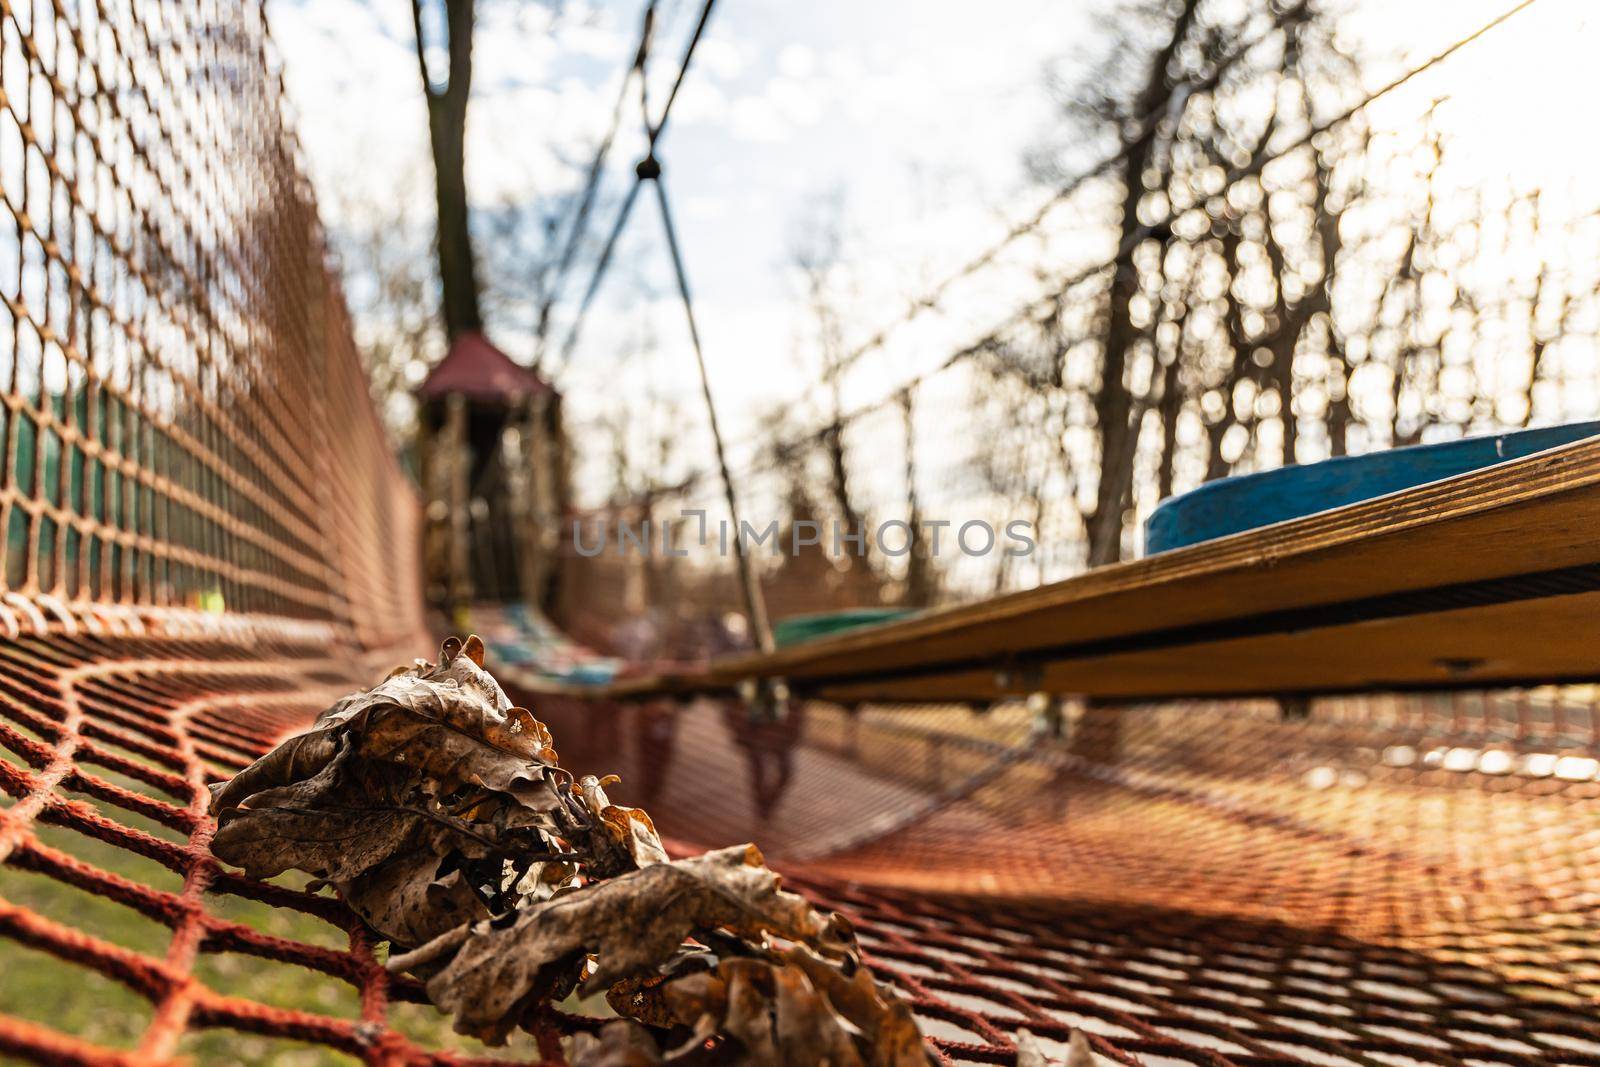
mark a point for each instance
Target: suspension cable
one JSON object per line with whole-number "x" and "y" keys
{"x": 1035, "y": 308}
{"x": 749, "y": 582}
{"x": 653, "y": 131}
{"x": 649, "y": 170}
{"x": 591, "y": 189}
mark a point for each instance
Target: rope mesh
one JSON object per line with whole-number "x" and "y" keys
{"x": 1386, "y": 880}
{"x": 206, "y": 540}
{"x": 186, "y": 422}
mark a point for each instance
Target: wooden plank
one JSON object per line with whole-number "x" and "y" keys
{"x": 1467, "y": 648}
{"x": 1277, "y": 609}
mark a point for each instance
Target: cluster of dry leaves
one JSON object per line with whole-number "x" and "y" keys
{"x": 440, "y": 814}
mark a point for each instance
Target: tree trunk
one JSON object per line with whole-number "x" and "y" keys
{"x": 1541, "y": 339}
{"x": 1332, "y": 242}
{"x": 447, "y": 133}
{"x": 839, "y": 479}
{"x": 921, "y": 588}
{"x": 1170, "y": 406}
{"x": 1114, "y": 402}
{"x": 1233, "y": 322}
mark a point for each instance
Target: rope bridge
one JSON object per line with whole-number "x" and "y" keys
{"x": 206, "y": 540}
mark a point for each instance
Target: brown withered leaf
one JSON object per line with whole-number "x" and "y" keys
{"x": 884, "y": 1020}
{"x": 457, "y": 692}
{"x": 333, "y": 845}
{"x": 629, "y": 830}
{"x": 623, "y": 1043}
{"x": 410, "y": 901}
{"x": 396, "y": 791}
{"x": 631, "y": 924}
{"x": 298, "y": 759}
{"x": 439, "y": 813}
{"x": 792, "y": 1009}
{"x": 633, "y": 829}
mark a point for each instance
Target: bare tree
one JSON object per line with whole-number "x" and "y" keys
{"x": 1113, "y": 398}
{"x": 1289, "y": 284}
{"x": 444, "y": 60}
{"x": 391, "y": 286}
{"x": 817, "y": 256}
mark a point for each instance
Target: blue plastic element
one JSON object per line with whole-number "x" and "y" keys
{"x": 1249, "y": 501}
{"x": 521, "y": 636}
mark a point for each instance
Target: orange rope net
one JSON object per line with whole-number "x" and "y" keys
{"x": 205, "y": 540}
{"x": 1390, "y": 880}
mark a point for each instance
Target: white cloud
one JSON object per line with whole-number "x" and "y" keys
{"x": 756, "y": 119}
{"x": 719, "y": 58}
{"x": 797, "y": 61}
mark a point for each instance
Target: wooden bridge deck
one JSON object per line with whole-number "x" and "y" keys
{"x": 1484, "y": 579}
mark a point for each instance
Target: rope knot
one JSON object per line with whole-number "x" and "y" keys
{"x": 648, "y": 168}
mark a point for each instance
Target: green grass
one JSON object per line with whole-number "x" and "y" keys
{"x": 75, "y": 1000}
{"x": 41, "y": 989}
{"x": 80, "y": 1001}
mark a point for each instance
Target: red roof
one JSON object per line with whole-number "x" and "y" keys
{"x": 479, "y": 371}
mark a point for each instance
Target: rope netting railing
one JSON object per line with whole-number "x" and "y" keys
{"x": 186, "y": 421}
{"x": 204, "y": 532}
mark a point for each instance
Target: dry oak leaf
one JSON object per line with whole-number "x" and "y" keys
{"x": 324, "y": 825}
{"x": 883, "y": 1019}
{"x": 359, "y": 800}
{"x": 630, "y": 829}
{"x": 409, "y": 902}
{"x": 450, "y": 722}
{"x": 623, "y": 1043}
{"x": 773, "y": 1013}
{"x": 631, "y": 924}
{"x": 796, "y": 1009}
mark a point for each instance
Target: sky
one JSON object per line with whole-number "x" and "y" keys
{"x": 911, "y": 116}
